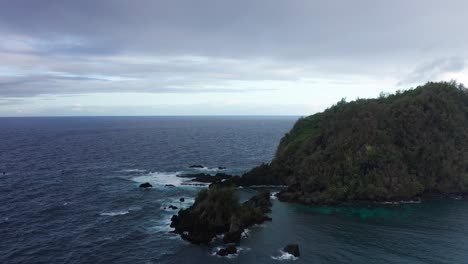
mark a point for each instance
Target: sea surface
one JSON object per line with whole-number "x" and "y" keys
{"x": 70, "y": 195}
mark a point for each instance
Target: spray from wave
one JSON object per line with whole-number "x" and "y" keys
{"x": 284, "y": 256}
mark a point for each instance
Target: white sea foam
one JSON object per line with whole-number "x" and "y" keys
{"x": 132, "y": 170}
{"x": 160, "y": 178}
{"x": 165, "y": 203}
{"x": 230, "y": 256}
{"x": 246, "y": 233}
{"x": 284, "y": 256}
{"x": 161, "y": 225}
{"x": 114, "y": 213}
{"x": 208, "y": 169}
{"x": 273, "y": 195}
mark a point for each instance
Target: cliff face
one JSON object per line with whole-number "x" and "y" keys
{"x": 394, "y": 147}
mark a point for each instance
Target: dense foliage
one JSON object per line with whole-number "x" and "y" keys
{"x": 394, "y": 147}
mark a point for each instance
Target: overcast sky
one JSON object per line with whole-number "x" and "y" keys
{"x": 253, "y": 57}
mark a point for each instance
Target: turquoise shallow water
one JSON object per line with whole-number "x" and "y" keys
{"x": 70, "y": 195}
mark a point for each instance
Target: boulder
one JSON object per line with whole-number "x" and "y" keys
{"x": 182, "y": 199}
{"x": 292, "y": 249}
{"x": 197, "y": 166}
{"x": 173, "y": 207}
{"x": 230, "y": 249}
{"x": 169, "y": 185}
{"x": 221, "y": 168}
{"x": 146, "y": 185}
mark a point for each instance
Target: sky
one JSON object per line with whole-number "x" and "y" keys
{"x": 216, "y": 57}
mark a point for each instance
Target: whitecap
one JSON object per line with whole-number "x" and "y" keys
{"x": 284, "y": 256}
{"x": 132, "y": 170}
{"x": 114, "y": 213}
{"x": 208, "y": 169}
{"x": 160, "y": 178}
{"x": 230, "y": 256}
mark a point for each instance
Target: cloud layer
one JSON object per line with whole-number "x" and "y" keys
{"x": 67, "y": 47}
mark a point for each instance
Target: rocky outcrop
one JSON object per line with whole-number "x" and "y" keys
{"x": 217, "y": 211}
{"x": 230, "y": 249}
{"x": 292, "y": 249}
{"x": 146, "y": 185}
{"x": 196, "y": 166}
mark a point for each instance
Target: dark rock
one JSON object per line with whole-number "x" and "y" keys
{"x": 235, "y": 231}
{"x": 292, "y": 249}
{"x": 169, "y": 185}
{"x": 233, "y": 237}
{"x": 206, "y": 178}
{"x": 173, "y": 207}
{"x": 261, "y": 201}
{"x": 197, "y": 166}
{"x": 174, "y": 221}
{"x": 221, "y": 168}
{"x": 182, "y": 199}
{"x": 231, "y": 249}
{"x": 146, "y": 185}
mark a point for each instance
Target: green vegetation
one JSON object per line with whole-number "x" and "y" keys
{"x": 397, "y": 146}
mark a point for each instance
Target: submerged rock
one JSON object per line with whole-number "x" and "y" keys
{"x": 292, "y": 249}
{"x": 182, "y": 199}
{"x": 231, "y": 249}
{"x": 146, "y": 185}
{"x": 169, "y": 185}
{"x": 173, "y": 207}
{"x": 197, "y": 166}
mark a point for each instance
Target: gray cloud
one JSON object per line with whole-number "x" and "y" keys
{"x": 297, "y": 29}
{"x": 433, "y": 70}
{"x": 211, "y": 46}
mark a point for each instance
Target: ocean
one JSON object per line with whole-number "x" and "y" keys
{"x": 70, "y": 195}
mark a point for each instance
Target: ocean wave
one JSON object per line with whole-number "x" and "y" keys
{"x": 121, "y": 212}
{"x": 160, "y": 178}
{"x": 114, "y": 213}
{"x": 165, "y": 203}
{"x": 162, "y": 225}
{"x": 230, "y": 256}
{"x": 208, "y": 169}
{"x": 132, "y": 170}
{"x": 284, "y": 256}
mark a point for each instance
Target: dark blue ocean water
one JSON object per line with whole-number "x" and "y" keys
{"x": 70, "y": 195}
